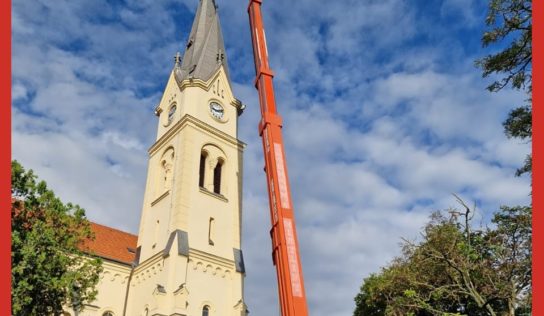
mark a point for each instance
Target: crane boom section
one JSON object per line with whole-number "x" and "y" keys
{"x": 285, "y": 248}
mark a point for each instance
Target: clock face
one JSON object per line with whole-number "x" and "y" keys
{"x": 217, "y": 110}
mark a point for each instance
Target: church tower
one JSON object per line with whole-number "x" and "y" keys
{"x": 189, "y": 257}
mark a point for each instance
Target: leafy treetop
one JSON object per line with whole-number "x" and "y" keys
{"x": 49, "y": 270}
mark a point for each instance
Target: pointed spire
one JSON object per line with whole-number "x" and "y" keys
{"x": 205, "y": 50}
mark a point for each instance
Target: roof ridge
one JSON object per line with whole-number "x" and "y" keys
{"x": 112, "y": 228}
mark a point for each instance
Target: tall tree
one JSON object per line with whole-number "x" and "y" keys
{"x": 49, "y": 270}
{"x": 511, "y": 21}
{"x": 457, "y": 269}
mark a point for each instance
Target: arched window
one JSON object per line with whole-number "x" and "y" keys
{"x": 217, "y": 176}
{"x": 206, "y": 311}
{"x": 171, "y": 113}
{"x": 202, "y": 170}
{"x": 108, "y": 313}
{"x": 167, "y": 163}
{"x": 211, "y": 227}
{"x": 212, "y": 166}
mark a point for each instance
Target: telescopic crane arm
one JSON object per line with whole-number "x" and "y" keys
{"x": 285, "y": 254}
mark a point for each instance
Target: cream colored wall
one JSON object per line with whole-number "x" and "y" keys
{"x": 111, "y": 291}
{"x": 208, "y": 275}
{"x": 193, "y": 96}
{"x": 206, "y": 280}
{"x": 192, "y": 128}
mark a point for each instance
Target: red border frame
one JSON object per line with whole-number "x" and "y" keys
{"x": 538, "y": 183}
{"x": 5, "y": 158}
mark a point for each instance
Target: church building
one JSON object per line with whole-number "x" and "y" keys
{"x": 187, "y": 258}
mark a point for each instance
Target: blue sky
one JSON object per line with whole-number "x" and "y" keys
{"x": 385, "y": 117}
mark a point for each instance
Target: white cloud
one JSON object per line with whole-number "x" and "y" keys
{"x": 123, "y": 141}
{"x": 385, "y": 117}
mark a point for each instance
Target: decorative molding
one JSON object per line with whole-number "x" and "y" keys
{"x": 200, "y": 256}
{"x": 211, "y": 269}
{"x": 162, "y": 196}
{"x": 207, "y": 85}
{"x": 144, "y": 274}
{"x": 241, "y": 308}
{"x": 151, "y": 261}
{"x": 189, "y": 120}
{"x": 215, "y": 195}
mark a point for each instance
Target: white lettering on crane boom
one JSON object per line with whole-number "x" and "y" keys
{"x": 258, "y": 47}
{"x": 265, "y": 45}
{"x": 282, "y": 178}
{"x": 274, "y": 206}
{"x": 292, "y": 257}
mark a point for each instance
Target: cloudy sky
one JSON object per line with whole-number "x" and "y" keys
{"x": 385, "y": 117}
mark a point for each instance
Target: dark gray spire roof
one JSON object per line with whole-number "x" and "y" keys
{"x": 205, "y": 50}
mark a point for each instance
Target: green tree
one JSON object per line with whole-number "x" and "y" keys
{"x": 49, "y": 270}
{"x": 457, "y": 270}
{"x": 510, "y": 21}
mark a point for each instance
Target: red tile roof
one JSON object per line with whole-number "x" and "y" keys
{"x": 109, "y": 243}
{"x": 112, "y": 244}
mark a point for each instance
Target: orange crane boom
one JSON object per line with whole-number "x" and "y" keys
{"x": 285, "y": 253}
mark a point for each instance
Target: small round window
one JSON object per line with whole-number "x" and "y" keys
{"x": 171, "y": 113}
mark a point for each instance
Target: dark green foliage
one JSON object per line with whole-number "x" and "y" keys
{"x": 49, "y": 270}
{"x": 457, "y": 270}
{"x": 519, "y": 123}
{"x": 511, "y": 22}
{"x": 371, "y": 300}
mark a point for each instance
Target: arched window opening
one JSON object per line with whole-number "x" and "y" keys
{"x": 211, "y": 227}
{"x": 165, "y": 171}
{"x": 202, "y": 170}
{"x": 206, "y": 311}
{"x": 108, "y": 313}
{"x": 217, "y": 177}
{"x": 167, "y": 163}
{"x": 171, "y": 113}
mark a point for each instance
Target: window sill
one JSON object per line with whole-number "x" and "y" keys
{"x": 157, "y": 200}
{"x": 215, "y": 195}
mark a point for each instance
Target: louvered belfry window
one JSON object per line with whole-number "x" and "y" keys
{"x": 202, "y": 170}
{"x": 217, "y": 177}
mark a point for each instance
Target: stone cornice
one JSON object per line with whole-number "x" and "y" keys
{"x": 162, "y": 196}
{"x": 193, "y": 254}
{"x": 220, "y": 261}
{"x": 206, "y": 85}
{"x": 189, "y": 120}
{"x": 151, "y": 261}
